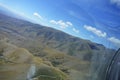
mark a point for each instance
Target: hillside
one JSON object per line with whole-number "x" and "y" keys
{"x": 48, "y": 49}
{"x": 20, "y": 32}
{"x": 19, "y": 64}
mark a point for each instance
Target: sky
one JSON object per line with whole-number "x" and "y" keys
{"x": 95, "y": 20}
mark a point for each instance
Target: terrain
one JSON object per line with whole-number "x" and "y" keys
{"x": 52, "y": 54}
{"x": 19, "y": 64}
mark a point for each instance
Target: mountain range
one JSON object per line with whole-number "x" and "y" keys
{"x": 69, "y": 56}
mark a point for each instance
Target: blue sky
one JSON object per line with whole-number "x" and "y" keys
{"x": 96, "y": 20}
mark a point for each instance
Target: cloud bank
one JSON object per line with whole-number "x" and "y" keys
{"x": 37, "y": 15}
{"x": 114, "y": 40}
{"x": 116, "y": 2}
{"x": 95, "y": 31}
{"x": 61, "y": 23}
{"x": 75, "y": 30}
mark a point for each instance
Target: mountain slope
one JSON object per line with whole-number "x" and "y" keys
{"x": 20, "y": 32}
{"x": 19, "y": 64}
{"x": 70, "y": 55}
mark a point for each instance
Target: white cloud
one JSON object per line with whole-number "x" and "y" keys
{"x": 114, "y": 40}
{"x": 75, "y": 30}
{"x": 69, "y": 23}
{"x": 117, "y": 2}
{"x": 61, "y": 23}
{"x": 37, "y": 15}
{"x": 95, "y": 31}
{"x": 53, "y": 22}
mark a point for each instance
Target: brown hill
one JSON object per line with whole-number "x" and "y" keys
{"x": 55, "y": 50}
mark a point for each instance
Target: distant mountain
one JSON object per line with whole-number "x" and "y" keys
{"x": 20, "y": 32}
{"x": 72, "y": 55}
{"x": 6, "y": 11}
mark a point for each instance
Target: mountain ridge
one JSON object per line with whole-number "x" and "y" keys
{"x": 47, "y": 36}
{"x": 71, "y": 55}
